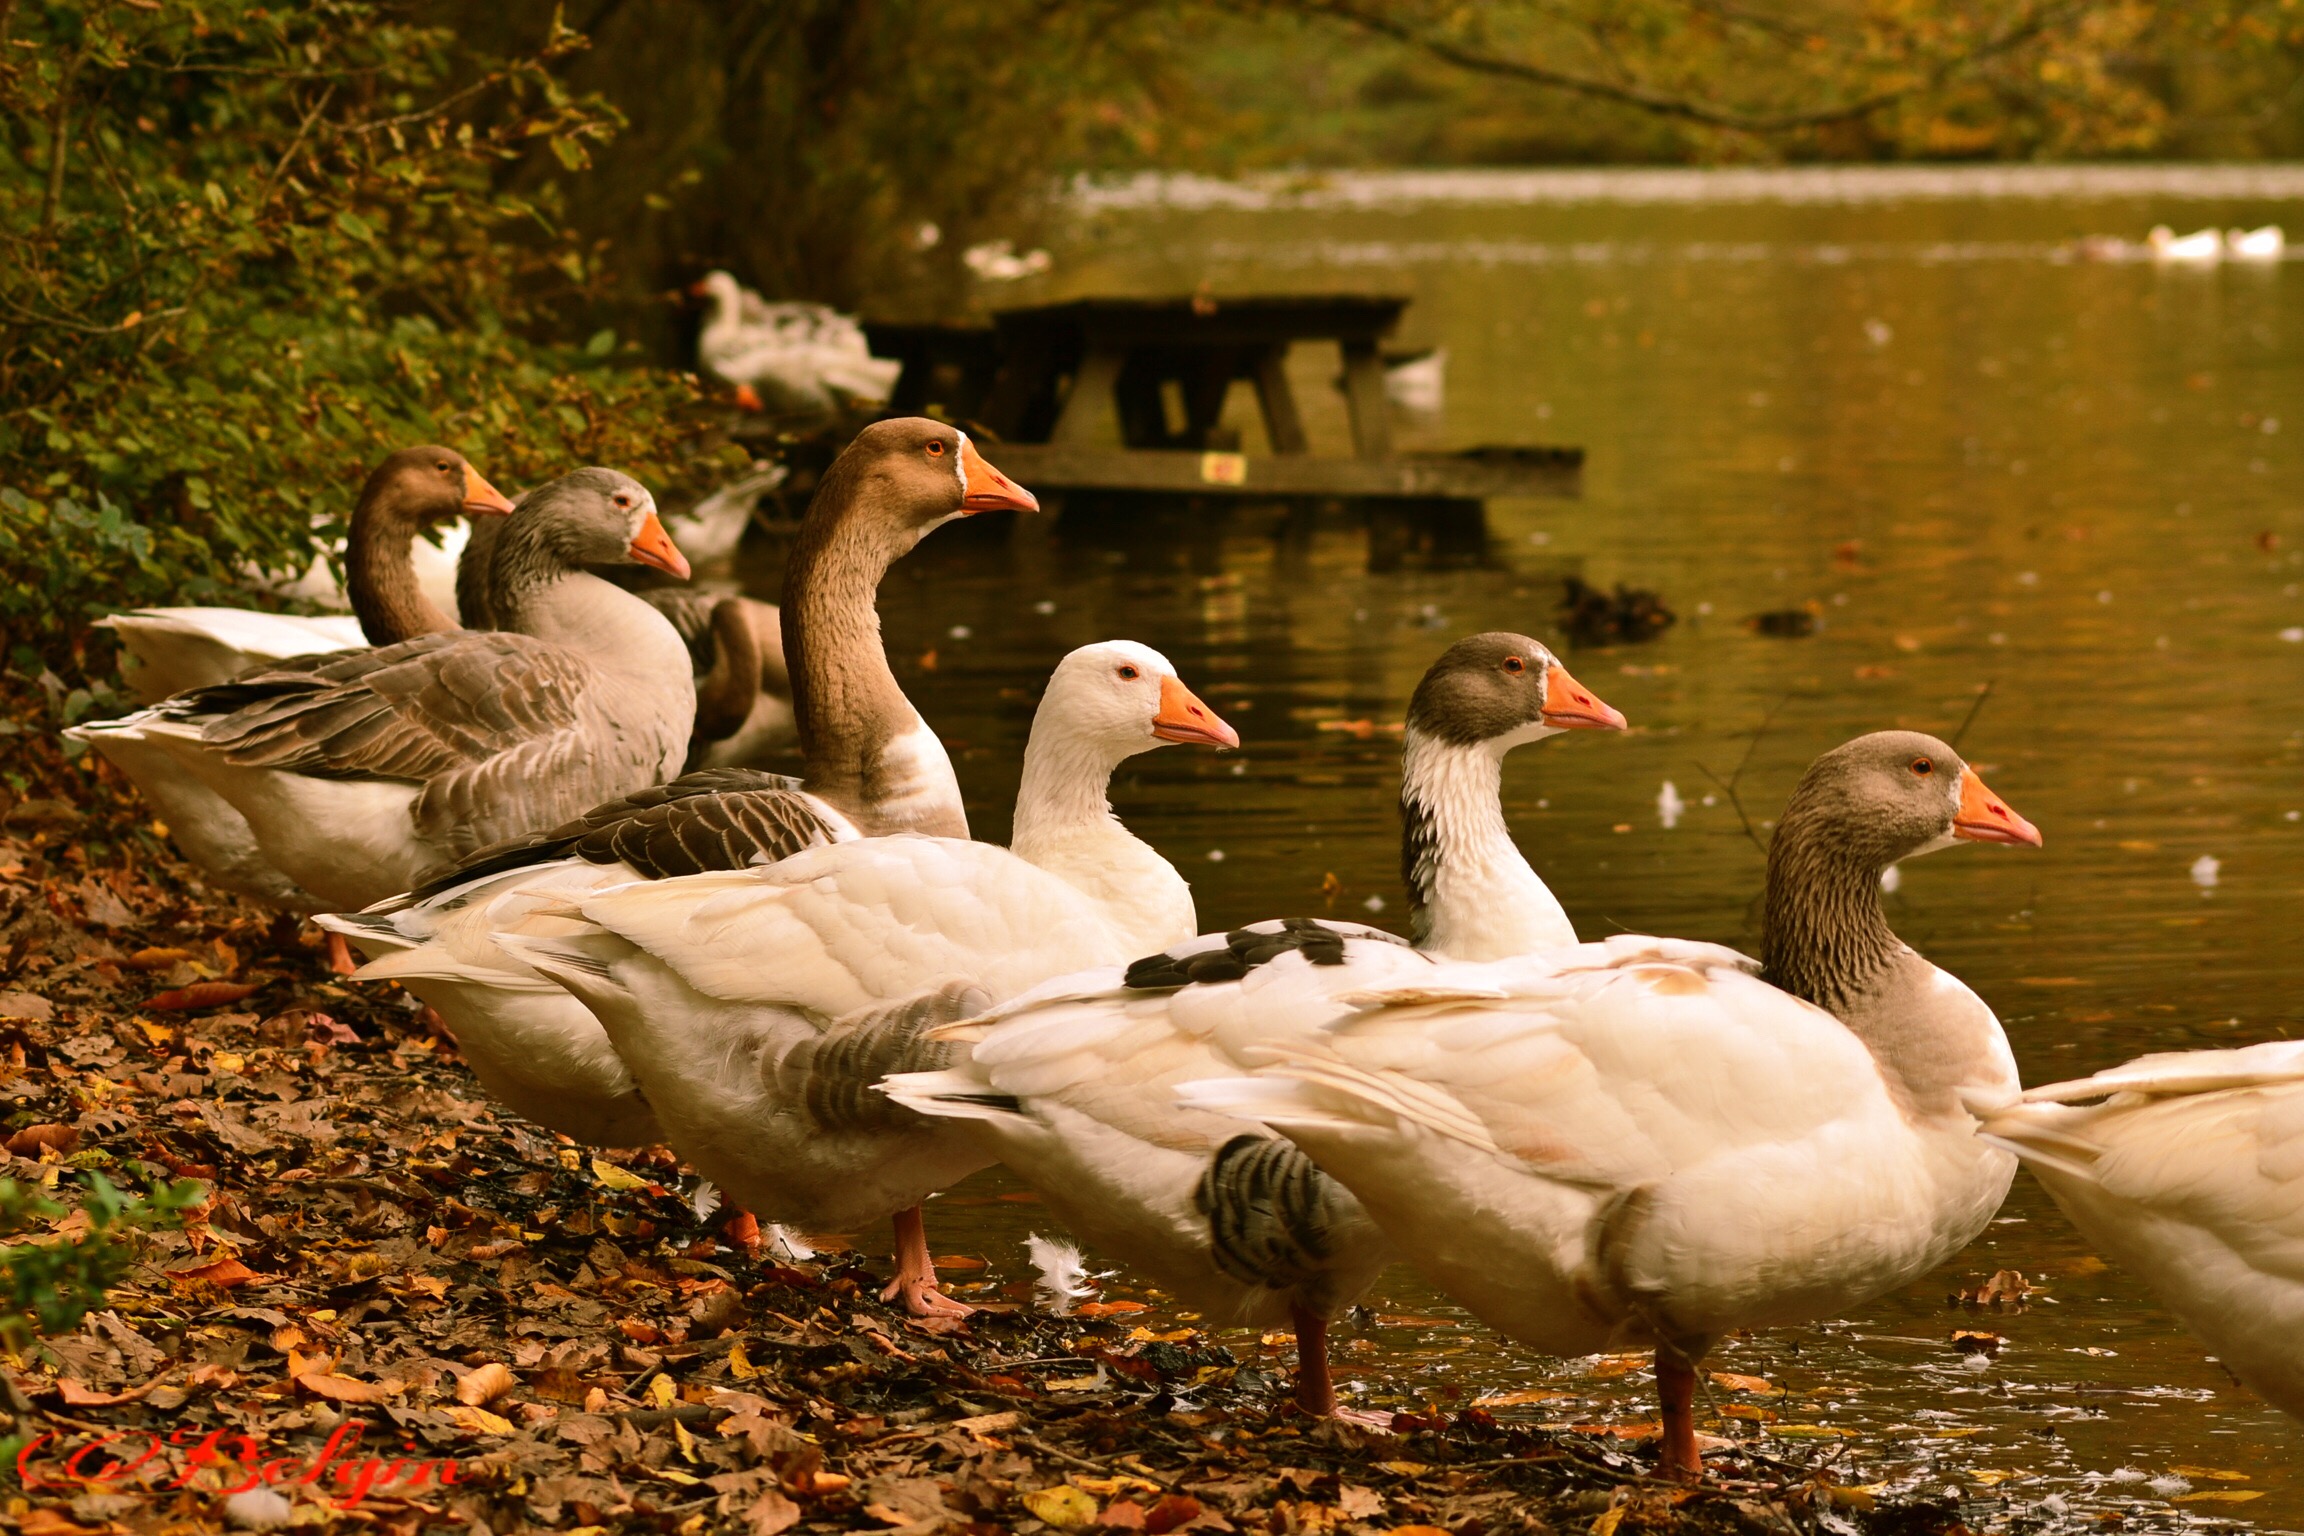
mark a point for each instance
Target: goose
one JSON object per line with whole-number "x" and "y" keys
{"x": 802, "y": 357}
{"x": 2188, "y": 1169}
{"x": 1657, "y": 1142}
{"x": 755, "y": 1008}
{"x": 363, "y": 772}
{"x": 169, "y": 650}
{"x": 2267, "y": 243}
{"x": 1071, "y": 1084}
{"x": 2203, "y": 247}
{"x": 531, "y": 1044}
{"x": 180, "y": 648}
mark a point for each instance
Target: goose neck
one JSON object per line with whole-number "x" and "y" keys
{"x": 846, "y": 703}
{"x": 1472, "y": 895}
{"x": 1823, "y": 935}
{"x": 1064, "y": 791}
{"x": 380, "y": 571}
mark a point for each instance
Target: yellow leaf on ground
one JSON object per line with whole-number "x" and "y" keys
{"x": 2221, "y": 1496}
{"x": 2213, "y": 1474}
{"x": 616, "y": 1178}
{"x": 479, "y": 1420}
{"x": 1517, "y": 1399}
{"x": 1065, "y": 1508}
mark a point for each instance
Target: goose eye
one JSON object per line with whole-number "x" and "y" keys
{"x": 1129, "y": 674}
{"x": 623, "y": 501}
{"x": 936, "y": 450}
{"x": 1514, "y": 664}
{"x": 1923, "y": 767}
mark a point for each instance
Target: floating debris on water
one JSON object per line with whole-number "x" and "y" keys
{"x": 1669, "y": 806}
{"x": 1892, "y": 879}
{"x": 2204, "y": 871}
{"x": 1630, "y": 614}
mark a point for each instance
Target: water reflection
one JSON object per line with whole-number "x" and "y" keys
{"x": 2070, "y": 480}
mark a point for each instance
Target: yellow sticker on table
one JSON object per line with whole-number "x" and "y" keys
{"x": 1224, "y": 469}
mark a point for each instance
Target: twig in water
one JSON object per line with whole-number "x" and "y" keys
{"x": 1728, "y": 785}
{"x": 1974, "y": 710}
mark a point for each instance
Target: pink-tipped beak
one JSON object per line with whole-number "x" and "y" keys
{"x": 653, "y": 546}
{"x": 1984, "y": 817}
{"x": 1183, "y": 717}
{"x": 988, "y": 490}
{"x": 1571, "y": 706}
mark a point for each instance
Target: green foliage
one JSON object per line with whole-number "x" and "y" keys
{"x": 247, "y": 249}
{"x": 47, "y": 1285}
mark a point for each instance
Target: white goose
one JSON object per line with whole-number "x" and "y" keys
{"x": 757, "y": 1008}
{"x": 1642, "y": 1142}
{"x": 169, "y": 650}
{"x": 2264, "y": 243}
{"x": 2201, "y": 248}
{"x": 2188, "y": 1168}
{"x": 531, "y": 1044}
{"x": 364, "y": 772}
{"x": 1072, "y": 1084}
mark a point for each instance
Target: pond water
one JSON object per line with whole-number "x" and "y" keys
{"x": 1912, "y": 410}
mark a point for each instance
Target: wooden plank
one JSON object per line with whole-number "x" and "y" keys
{"x": 1057, "y": 466}
{"x": 1088, "y": 414}
{"x": 1364, "y": 394}
{"x": 1278, "y": 401}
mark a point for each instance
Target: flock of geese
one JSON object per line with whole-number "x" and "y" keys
{"x": 833, "y": 1003}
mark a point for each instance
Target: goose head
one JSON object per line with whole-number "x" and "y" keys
{"x": 1118, "y": 698}
{"x": 430, "y": 484}
{"x": 600, "y": 517}
{"x": 1895, "y": 795}
{"x": 1499, "y": 690}
{"x": 910, "y": 475}
{"x": 721, "y": 288}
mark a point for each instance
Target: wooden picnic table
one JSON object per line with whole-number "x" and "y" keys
{"x": 1079, "y": 394}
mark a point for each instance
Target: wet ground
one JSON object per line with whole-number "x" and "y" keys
{"x": 1970, "y": 455}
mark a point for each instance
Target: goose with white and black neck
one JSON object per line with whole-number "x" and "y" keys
{"x": 1472, "y": 894}
{"x": 1643, "y": 1143}
{"x": 1072, "y": 1085}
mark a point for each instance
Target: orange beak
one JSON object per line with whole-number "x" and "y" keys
{"x": 1984, "y": 817}
{"x": 991, "y": 491}
{"x": 480, "y": 496}
{"x": 698, "y": 289}
{"x": 1571, "y": 706}
{"x": 653, "y": 546}
{"x": 748, "y": 399}
{"x": 1184, "y": 718}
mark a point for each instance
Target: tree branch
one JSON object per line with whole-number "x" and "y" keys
{"x": 2038, "y": 20}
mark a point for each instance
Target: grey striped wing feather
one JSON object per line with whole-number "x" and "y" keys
{"x": 717, "y": 818}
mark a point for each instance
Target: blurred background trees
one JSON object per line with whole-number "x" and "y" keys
{"x": 246, "y": 247}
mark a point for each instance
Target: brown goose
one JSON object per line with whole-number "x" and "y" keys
{"x": 534, "y": 1046}
{"x": 1640, "y": 1142}
{"x": 360, "y": 774}
{"x": 175, "y": 649}
{"x": 169, "y": 650}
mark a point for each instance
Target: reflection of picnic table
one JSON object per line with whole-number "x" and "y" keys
{"x": 1128, "y": 395}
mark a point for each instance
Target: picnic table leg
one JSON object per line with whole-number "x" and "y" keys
{"x": 1088, "y": 414}
{"x": 1278, "y": 402}
{"x": 1364, "y": 393}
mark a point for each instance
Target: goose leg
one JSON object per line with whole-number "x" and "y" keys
{"x": 1315, "y": 1390}
{"x": 340, "y": 955}
{"x": 915, "y": 1281}
{"x": 1676, "y": 1385}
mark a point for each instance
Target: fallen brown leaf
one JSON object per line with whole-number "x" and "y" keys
{"x": 483, "y": 1384}
{"x": 202, "y": 994}
{"x": 29, "y": 1141}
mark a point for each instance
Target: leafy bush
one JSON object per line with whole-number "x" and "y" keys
{"x": 247, "y": 249}
{"x": 47, "y": 1285}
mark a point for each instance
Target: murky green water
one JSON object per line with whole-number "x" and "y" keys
{"x": 1982, "y": 462}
